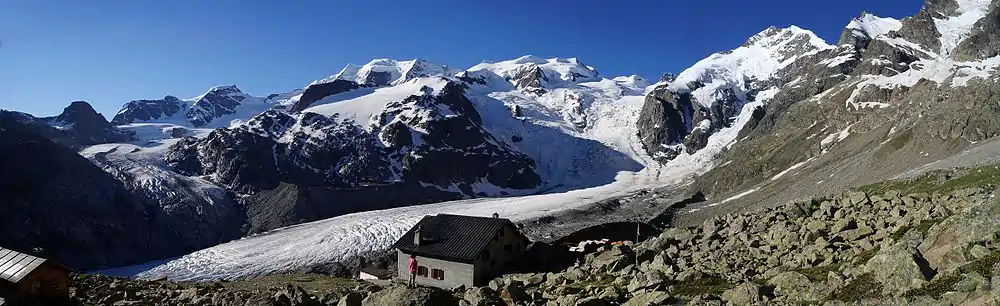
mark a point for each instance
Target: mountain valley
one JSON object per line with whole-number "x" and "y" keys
{"x": 231, "y": 186}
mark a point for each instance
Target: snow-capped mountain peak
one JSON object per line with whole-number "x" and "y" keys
{"x": 217, "y": 107}
{"x": 871, "y": 26}
{"x": 384, "y": 72}
{"x": 759, "y": 58}
{"x": 787, "y": 42}
{"x": 531, "y": 71}
{"x": 633, "y": 80}
{"x": 230, "y": 91}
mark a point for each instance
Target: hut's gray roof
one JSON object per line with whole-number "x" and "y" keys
{"x": 454, "y": 237}
{"x": 14, "y": 265}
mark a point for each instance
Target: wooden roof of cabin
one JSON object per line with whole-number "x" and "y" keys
{"x": 15, "y": 265}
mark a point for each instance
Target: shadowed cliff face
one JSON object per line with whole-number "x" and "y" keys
{"x": 61, "y": 204}
{"x": 77, "y": 126}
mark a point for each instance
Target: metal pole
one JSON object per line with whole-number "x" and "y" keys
{"x": 637, "y": 232}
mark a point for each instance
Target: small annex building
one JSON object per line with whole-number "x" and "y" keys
{"x": 457, "y": 250}
{"x": 27, "y": 279}
{"x": 373, "y": 273}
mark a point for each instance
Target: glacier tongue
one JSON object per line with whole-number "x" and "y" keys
{"x": 956, "y": 28}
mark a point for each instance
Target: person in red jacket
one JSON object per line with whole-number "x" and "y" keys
{"x": 413, "y": 270}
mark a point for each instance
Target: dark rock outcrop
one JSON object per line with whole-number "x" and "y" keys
{"x": 87, "y": 126}
{"x": 242, "y": 160}
{"x": 667, "y": 78}
{"x": 319, "y": 166}
{"x": 922, "y": 30}
{"x": 530, "y": 78}
{"x": 217, "y": 102}
{"x": 315, "y": 92}
{"x": 665, "y": 119}
{"x": 143, "y": 110}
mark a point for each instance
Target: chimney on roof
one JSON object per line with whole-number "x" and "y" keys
{"x": 416, "y": 236}
{"x": 496, "y": 215}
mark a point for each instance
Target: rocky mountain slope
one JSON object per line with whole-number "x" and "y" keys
{"x": 927, "y": 241}
{"x": 78, "y": 125}
{"x": 61, "y": 205}
{"x": 891, "y": 96}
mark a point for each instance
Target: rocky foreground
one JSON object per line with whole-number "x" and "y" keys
{"x": 933, "y": 240}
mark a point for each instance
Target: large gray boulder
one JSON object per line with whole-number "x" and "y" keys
{"x": 514, "y": 293}
{"x": 482, "y": 296}
{"x": 899, "y": 268}
{"x": 649, "y": 299}
{"x": 403, "y": 296}
{"x": 745, "y": 294}
{"x": 795, "y": 286}
{"x": 611, "y": 260}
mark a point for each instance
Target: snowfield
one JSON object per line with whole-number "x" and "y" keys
{"x": 362, "y": 104}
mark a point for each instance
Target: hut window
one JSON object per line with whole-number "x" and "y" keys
{"x": 422, "y": 271}
{"x": 437, "y": 274}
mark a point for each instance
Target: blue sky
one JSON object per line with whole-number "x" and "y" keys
{"x": 108, "y": 52}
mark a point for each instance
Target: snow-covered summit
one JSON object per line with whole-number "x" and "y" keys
{"x": 633, "y": 80}
{"x": 364, "y": 104}
{"x": 219, "y": 106}
{"x": 758, "y": 59}
{"x": 382, "y": 72}
{"x": 228, "y": 91}
{"x": 548, "y": 72}
{"x": 871, "y": 26}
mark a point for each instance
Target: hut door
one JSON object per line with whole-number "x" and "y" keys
{"x": 36, "y": 286}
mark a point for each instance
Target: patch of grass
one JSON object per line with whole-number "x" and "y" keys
{"x": 983, "y": 266}
{"x": 863, "y": 287}
{"x": 936, "y": 288}
{"x": 864, "y": 257}
{"x": 941, "y": 181}
{"x": 708, "y": 284}
{"x": 895, "y": 143}
{"x": 817, "y": 274}
{"x": 923, "y": 227}
{"x": 899, "y": 141}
